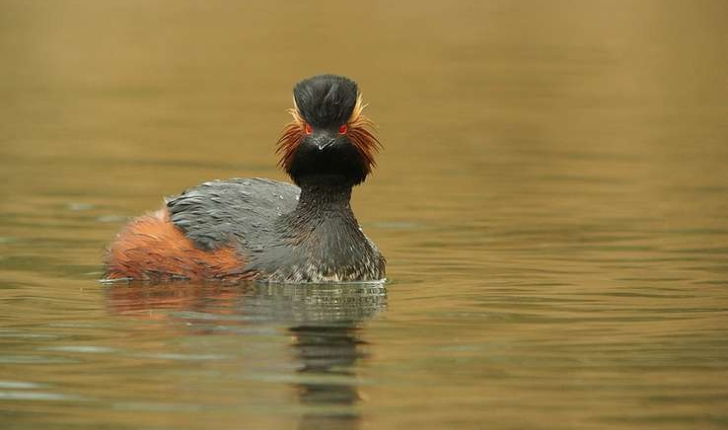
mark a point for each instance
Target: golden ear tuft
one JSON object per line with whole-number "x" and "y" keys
{"x": 360, "y": 133}
{"x": 291, "y": 137}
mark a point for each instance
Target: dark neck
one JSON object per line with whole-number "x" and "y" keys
{"x": 324, "y": 195}
{"x": 323, "y": 223}
{"x": 320, "y": 240}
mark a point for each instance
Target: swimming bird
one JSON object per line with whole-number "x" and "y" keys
{"x": 261, "y": 229}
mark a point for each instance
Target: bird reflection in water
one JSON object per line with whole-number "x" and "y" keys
{"x": 325, "y": 321}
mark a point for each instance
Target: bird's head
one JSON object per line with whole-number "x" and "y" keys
{"x": 329, "y": 136}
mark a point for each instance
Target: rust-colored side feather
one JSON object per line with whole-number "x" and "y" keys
{"x": 151, "y": 248}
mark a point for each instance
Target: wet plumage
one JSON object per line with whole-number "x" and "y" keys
{"x": 269, "y": 230}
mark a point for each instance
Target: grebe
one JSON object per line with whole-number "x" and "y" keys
{"x": 260, "y": 229}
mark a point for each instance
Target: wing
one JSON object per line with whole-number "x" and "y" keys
{"x": 240, "y": 211}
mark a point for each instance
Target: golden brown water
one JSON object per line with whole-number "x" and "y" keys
{"x": 552, "y": 200}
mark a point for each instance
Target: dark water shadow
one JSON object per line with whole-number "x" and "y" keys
{"x": 326, "y": 321}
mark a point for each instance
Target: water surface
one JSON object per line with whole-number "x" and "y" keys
{"x": 551, "y": 200}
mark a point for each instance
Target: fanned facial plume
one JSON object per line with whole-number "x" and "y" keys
{"x": 292, "y": 136}
{"x": 358, "y": 130}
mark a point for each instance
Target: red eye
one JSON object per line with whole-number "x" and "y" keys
{"x": 308, "y": 129}
{"x": 342, "y": 129}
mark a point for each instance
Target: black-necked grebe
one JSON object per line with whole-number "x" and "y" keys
{"x": 268, "y": 230}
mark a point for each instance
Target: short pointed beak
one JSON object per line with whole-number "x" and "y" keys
{"x": 323, "y": 140}
{"x": 325, "y": 144}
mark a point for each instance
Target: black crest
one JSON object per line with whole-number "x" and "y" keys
{"x": 326, "y": 100}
